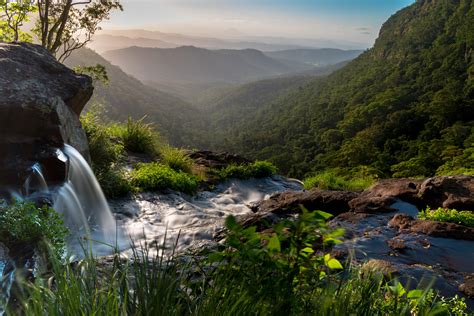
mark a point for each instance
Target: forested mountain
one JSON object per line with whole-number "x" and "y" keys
{"x": 317, "y": 57}
{"x": 404, "y": 107}
{"x": 189, "y": 64}
{"x": 126, "y": 96}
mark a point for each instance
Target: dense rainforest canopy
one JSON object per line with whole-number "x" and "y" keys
{"x": 403, "y": 108}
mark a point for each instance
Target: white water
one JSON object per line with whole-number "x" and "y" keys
{"x": 85, "y": 208}
{"x": 150, "y": 216}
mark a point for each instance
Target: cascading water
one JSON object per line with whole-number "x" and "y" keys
{"x": 84, "y": 207}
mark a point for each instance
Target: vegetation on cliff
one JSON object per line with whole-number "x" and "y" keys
{"x": 404, "y": 107}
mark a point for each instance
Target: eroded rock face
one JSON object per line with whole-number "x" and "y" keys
{"x": 40, "y": 103}
{"x": 455, "y": 192}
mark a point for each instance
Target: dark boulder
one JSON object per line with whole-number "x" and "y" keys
{"x": 40, "y": 103}
{"x": 216, "y": 160}
{"x": 455, "y": 192}
{"x": 407, "y": 224}
{"x": 334, "y": 202}
{"x": 384, "y": 193}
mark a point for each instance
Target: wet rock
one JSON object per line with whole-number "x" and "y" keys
{"x": 384, "y": 267}
{"x": 40, "y": 103}
{"x": 468, "y": 286}
{"x": 405, "y": 223}
{"x": 396, "y": 244}
{"x": 449, "y": 192}
{"x": 216, "y": 160}
{"x": 286, "y": 203}
{"x": 384, "y": 193}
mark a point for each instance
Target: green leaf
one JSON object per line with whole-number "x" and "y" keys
{"x": 274, "y": 244}
{"x": 307, "y": 250}
{"x": 415, "y": 294}
{"x": 334, "y": 264}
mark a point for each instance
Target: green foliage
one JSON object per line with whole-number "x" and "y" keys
{"x": 155, "y": 176}
{"x": 105, "y": 148}
{"x": 98, "y": 72}
{"x": 339, "y": 180}
{"x": 176, "y": 158}
{"x": 23, "y": 223}
{"x": 138, "y": 136}
{"x": 13, "y": 16}
{"x": 258, "y": 169}
{"x": 465, "y": 218}
{"x": 404, "y": 107}
{"x": 114, "y": 183}
{"x": 283, "y": 271}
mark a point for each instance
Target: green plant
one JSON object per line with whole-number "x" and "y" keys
{"x": 258, "y": 169}
{"x": 281, "y": 271}
{"x": 155, "y": 176}
{"x": 331, "y": 180}
{"x": 465, "y": 218}
{"x": 23, "y": 223}
{"x": 114, "y": 183}
{"x": 176, "y": 158}
{"x": 138, "y": 136}
{"x": 105, "y": 148}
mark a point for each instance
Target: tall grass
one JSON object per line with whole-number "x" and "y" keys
{"x": 176, "y": 158}
{"x": 138, "y": 136}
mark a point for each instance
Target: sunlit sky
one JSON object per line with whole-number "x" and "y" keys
{"x": 344, "y": 20}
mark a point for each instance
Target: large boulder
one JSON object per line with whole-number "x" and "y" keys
{"x": 40, "y": 103}
{"x": 449, "y": 192}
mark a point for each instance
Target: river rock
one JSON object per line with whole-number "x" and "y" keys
{"x": 40, "y": 103}
{"x": 216, "y": 160}
{"x": 334, "y": 202}
{"x": 384, "y": 193}
{"x": 468, "y": 286}
{"x": 407, "y": 224}
{"x": 456, "y": 192}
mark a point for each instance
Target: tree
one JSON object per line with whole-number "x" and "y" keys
{"x": 13, "y": 15}
{"x": 61, "y": 26}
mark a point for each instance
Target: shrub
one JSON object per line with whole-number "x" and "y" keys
{"x": 331, "y": 180}
{"x": 258, "y": 169}
{"x": 139, "y": 137}
{"x": 105, "y": 149}
{"x": 176, "y": 159}
{"x": 155, "y": 176}
{"x": 114, "y": 183}
{"x": 24, "y": 223}
{"x": 465, "y": 218}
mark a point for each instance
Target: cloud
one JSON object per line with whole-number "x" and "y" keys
{"x": 363, "y": 29}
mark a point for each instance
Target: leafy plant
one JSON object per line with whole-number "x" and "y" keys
{"x": 258, "y": 169}
{"x": 465, "y": 218}
{"x": 23, "y": 223}
{"x": 155, "y": 176}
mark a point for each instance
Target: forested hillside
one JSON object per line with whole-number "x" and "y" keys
{"x": 403, "y": 108}
{"x": 126, "y": 96}
{"x": 317, "y": 57}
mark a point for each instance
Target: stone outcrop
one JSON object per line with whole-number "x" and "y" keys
{"x": 407, "y": 224}
{"x": 456, "y": 192}
{"x": 40, "y": 103}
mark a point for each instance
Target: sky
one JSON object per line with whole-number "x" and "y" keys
{"x": 357, "y": 21}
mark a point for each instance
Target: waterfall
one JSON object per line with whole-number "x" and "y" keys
{"x": 85, "y": 209}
